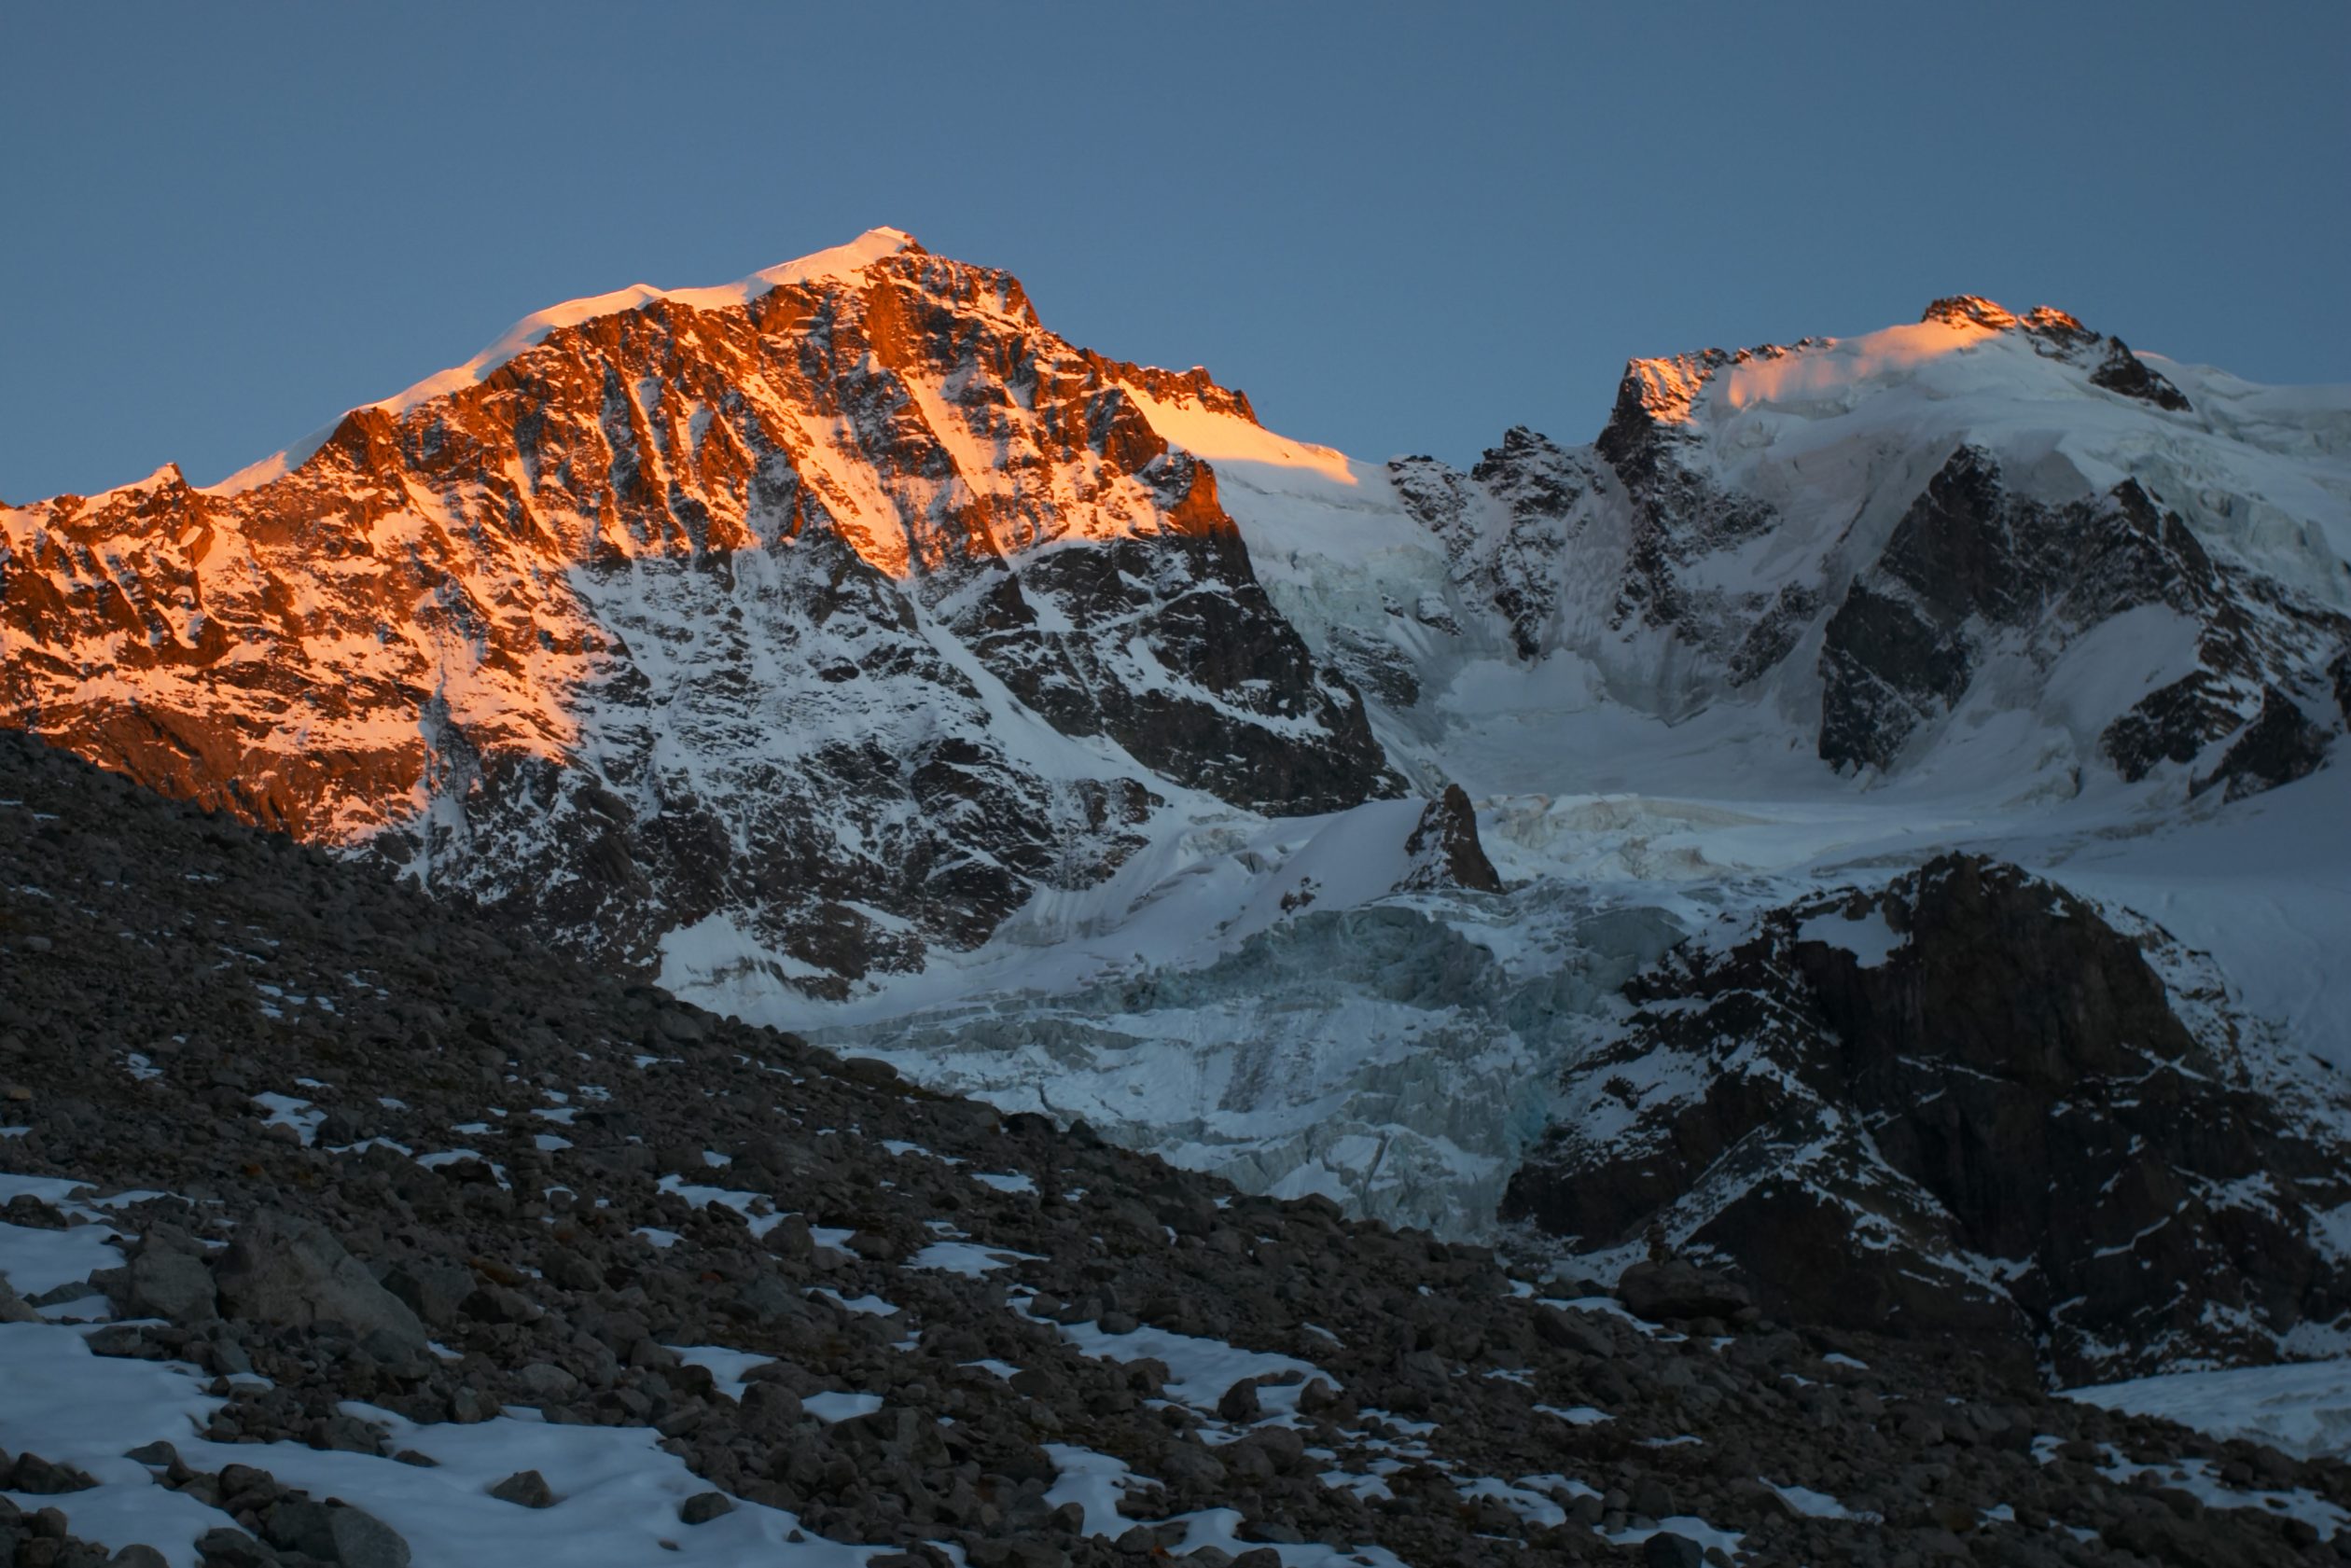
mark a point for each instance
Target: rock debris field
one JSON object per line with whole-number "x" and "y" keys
{"x": 341, "y": 1227}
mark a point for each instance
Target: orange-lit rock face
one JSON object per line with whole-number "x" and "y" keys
{"x": 1973, "y": 309}
{"x": 849, "y": 542}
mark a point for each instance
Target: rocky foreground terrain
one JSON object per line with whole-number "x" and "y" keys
{"x": 344, "y": 1227}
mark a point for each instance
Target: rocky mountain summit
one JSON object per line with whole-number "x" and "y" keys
{"x": 347, "y": 1226}
{"x": 792, "y": 634}
{"x": 841, "y": 610}
{"x": 1893, "y": 538}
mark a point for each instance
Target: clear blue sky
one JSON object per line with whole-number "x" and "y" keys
{"x": 1400, "y": 229}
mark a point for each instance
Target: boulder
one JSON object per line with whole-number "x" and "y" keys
{"x": 292, "y": 1272}
{"x": 1667, "y": 1549}
{"x": 1663, "y": 1292}
{"x": 525, "y": 1488}
{"x": 165, "y": 1283}
{"x": 13, "y": 1307}
{"x": 46, "y": 1477}
{"x": 361, "y": 1540}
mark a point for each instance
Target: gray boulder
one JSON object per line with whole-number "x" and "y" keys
{"x": 164, "y": 1283}
{"x": 433, "y": 1291}
{"x": 545, "y": 1380}
{"x": 364, "y": 1541}
{"x": 1662, "y": 1292}
{"x": 334, "y": 1531}
{"x": 290, "y": 1271}
{"x": 1667, "y": 1549}
{"x": 13, "y": 1307}
{"x": 525, "y": 1488}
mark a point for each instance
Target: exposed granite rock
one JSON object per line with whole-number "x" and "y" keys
{"x": 1514, "y": 563}
{"x": 1196, "y": 598}
{"x": 1678, "y": 1289}
{"x": 1973, "y": 566}
{"x": 284, "y": 1269}
{"x": 1679, "y": 513}
{"x": 2124, "y": 372}
{"x": 1884, "y": 665}
{"x": 1444, "y": 849}
{"x": 165, "y": 1282}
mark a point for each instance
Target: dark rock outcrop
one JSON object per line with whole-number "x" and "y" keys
{"x": 1513, "y": 561}
{"x": 1963, "y": 1107}
{"x": 1885, "y": 664}
{"x": 1974, "y": 570}
{"x": 1678, "y": 514}
{"x": 1213, "y": 630}
{"x": 1678, "y": 1289}
{"x": 1444, "y": 849}
{"x": 2124, "y": 372}
{"x": 2279, "y": 746}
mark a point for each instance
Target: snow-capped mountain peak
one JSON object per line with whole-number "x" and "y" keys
{"x": 1962, "y": 347}
{"x": 846, "y": 596}
{"x": 838, "y": 263}
{"x": 1974, "y": 308}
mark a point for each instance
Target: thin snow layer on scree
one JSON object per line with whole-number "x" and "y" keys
{"x": 617, "y": 1490}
